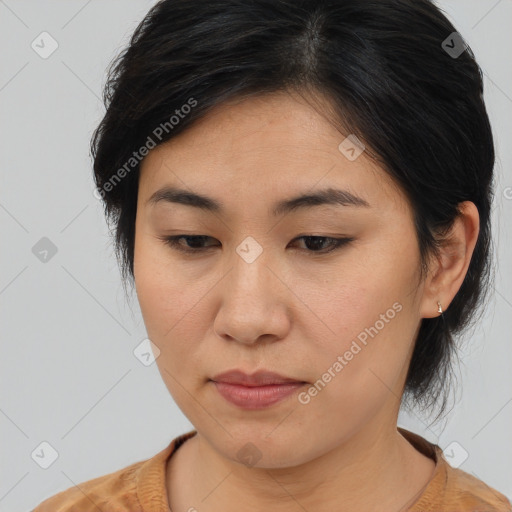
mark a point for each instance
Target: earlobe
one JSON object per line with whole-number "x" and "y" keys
{"x": 443, "y": 283}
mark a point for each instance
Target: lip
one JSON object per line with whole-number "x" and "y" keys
{"x": 259, "y": 378}
{"x": 257, "y": 391}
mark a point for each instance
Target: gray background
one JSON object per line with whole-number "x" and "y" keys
{"x": 68, "y": 372}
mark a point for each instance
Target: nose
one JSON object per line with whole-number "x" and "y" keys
{"x": 255, "y": 302}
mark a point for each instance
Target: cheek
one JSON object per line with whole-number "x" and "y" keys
{"x": 171, "y": 307}
{"x": 172, "y": 317}
{"x": 360, "y": 371}
{"x": 171, "y": 321}
{"x": 365, "y": 322}
{"x": 161, "y": 290}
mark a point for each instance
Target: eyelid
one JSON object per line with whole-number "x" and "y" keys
{"x": 173, "y": 242}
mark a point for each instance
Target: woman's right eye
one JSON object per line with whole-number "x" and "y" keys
{"x": 174, "y": 242}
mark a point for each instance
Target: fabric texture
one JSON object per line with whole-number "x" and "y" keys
{"x": 141, "y": 487}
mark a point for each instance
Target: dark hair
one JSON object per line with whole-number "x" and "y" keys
{"x": 389, "y": 72}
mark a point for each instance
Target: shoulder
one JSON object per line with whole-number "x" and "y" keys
{"x": 137, "y": 487}
{"x": 471, "y": 493}
{"x": 452, "y": 489}
{"x": 114, "y": 491}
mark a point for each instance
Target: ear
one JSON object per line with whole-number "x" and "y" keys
{"x": 447, "y": 272}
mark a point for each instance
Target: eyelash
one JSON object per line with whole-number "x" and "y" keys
{"x": 173, "y": 242}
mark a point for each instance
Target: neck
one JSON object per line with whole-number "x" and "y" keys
{"x": 375, "y": 469}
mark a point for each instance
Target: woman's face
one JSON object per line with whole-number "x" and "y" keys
{"x": 260, "y": 297}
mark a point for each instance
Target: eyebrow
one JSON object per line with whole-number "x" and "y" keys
{"x": 328, "y": 196}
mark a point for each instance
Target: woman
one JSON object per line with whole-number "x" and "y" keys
{"x": 301, "y": 196}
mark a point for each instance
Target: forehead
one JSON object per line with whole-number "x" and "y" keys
{"x": 260, "y": 146}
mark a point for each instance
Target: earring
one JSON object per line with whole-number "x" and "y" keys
{"x": 439, "y": 308}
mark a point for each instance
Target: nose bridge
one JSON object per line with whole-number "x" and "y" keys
{"x": 250, "y": 272}
{"x": 251, "y": 302}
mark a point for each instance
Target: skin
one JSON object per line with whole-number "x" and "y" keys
{"x": 292, "y": 311}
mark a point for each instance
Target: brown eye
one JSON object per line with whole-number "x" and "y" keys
{"x": 195, "y": 242}
{"x": 322, "y": 244}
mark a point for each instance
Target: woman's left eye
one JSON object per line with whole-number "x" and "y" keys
{"x": 316, "y": 242}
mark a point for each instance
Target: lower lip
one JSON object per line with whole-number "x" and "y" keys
{"x": 257, "y": 397}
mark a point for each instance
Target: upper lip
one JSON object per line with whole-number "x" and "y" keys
{"x": 259, "y": 378}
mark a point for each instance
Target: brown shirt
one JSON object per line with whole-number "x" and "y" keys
{"x": 141, "y": 487}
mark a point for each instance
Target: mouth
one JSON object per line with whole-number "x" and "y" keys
{"x": 257, "y": 379}
{"x": 257, "y": 391}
